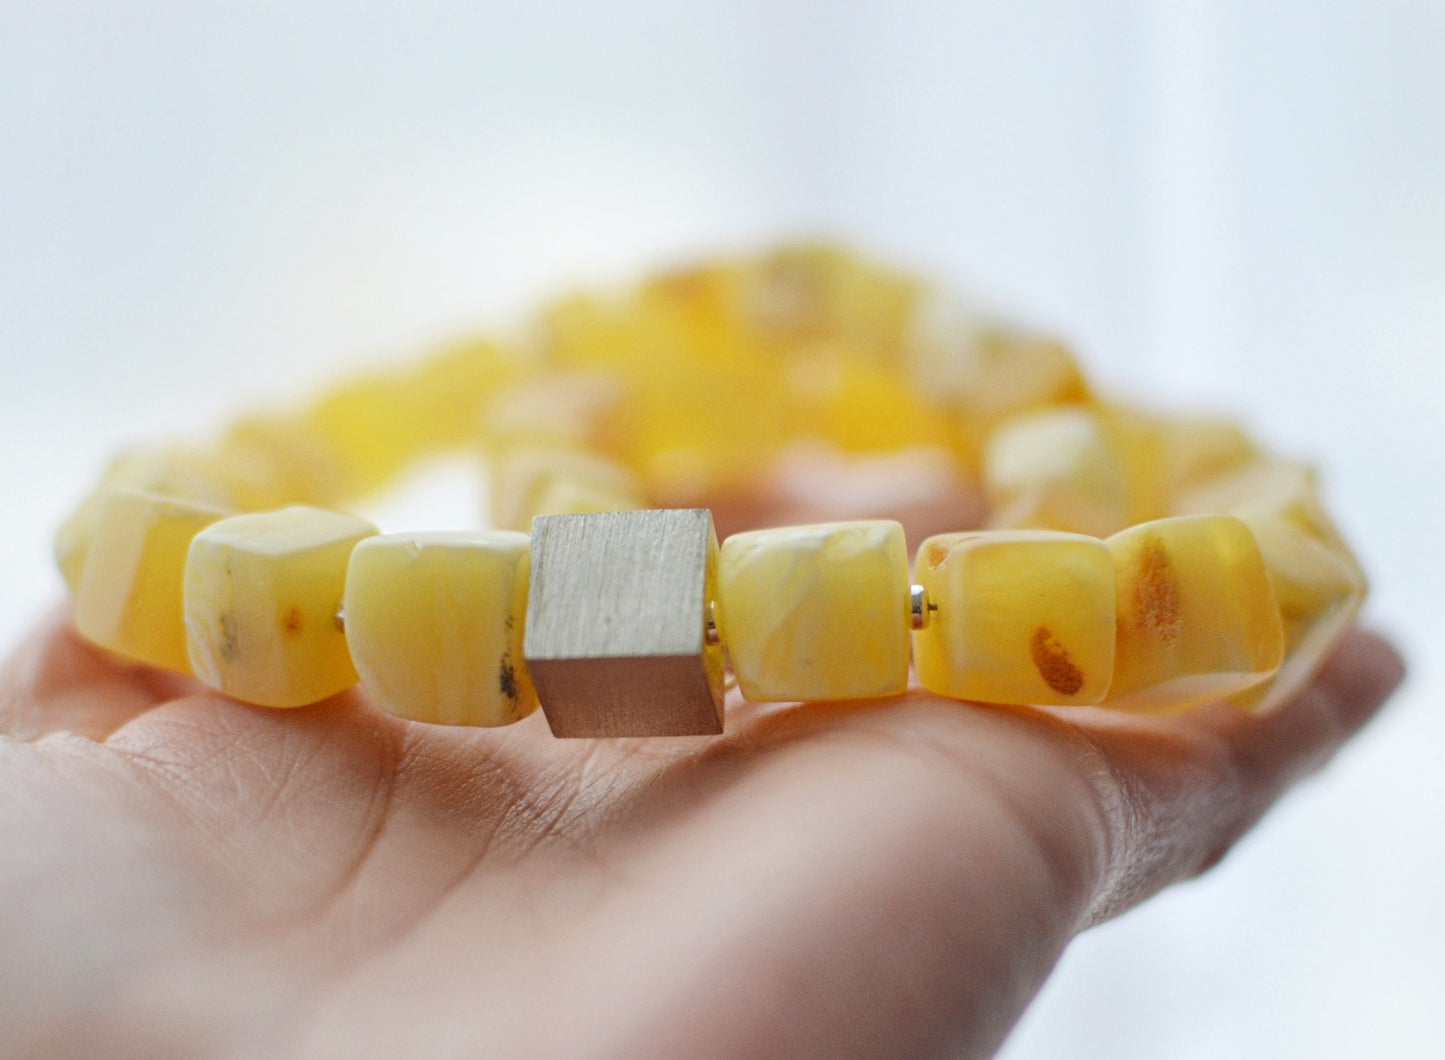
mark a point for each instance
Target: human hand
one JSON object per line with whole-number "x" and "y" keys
{"x": 182, "y": 874}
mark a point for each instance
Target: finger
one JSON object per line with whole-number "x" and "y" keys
{"x": 1275, "y": 751}
{"x": 1347, "y": 693}
{"x": 1179, "y": 792}
{"x": 56, "y": 682}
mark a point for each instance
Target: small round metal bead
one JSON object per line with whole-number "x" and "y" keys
{"x": 920, "y": 609}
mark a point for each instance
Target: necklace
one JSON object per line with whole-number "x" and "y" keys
{"x": 1127, "y": 558}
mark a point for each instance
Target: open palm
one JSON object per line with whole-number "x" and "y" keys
{"x": 182, "y": 874}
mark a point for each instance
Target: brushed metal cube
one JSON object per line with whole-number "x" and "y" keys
{"x": 616, "y": 623}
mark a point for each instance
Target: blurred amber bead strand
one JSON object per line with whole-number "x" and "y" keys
{"x": 1129, "y": 558}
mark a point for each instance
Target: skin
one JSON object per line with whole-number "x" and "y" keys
{"x": 185, "y": 875}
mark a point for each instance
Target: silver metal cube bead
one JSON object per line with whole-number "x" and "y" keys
{"x": 616, "y": 623}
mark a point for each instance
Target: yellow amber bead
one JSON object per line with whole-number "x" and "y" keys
{"x": 861, "y": 406}
{"x": 129, "y": 599}
{"x": 676, "y": 423}
{"x": 374, "y": 425}
{"x": 1056, "y": 470}
{"x": 706, "y": 297}
{"x": 815, "y": 291}
{"x": 816, "y": 612}
{"x": 302, "y": 467}
{"x": 986, "y": 370}
{"x": 262, "y": 594}
{"x": 1197, "y": 617}
{"x": 1165, "y": 456}
{"x": 692, "y": 431}
{"x": 1195, "y": 449}
{"x": 435, "y": 622}
{"x": 449, "y": 390}
{"x": 1023, "y": 616}
{"x": 1283, "y": 488}
{"x": 183, "y": 472}
{"x": 567, "y": 494}
{"x": 1319, "y": 591}
{"x": 1135, "y": 438}
{"x": 531, "y": 480}
{"x": 555, "y": 408}
{"x": 581, "y": 331}
{"x": 368, "y": 424}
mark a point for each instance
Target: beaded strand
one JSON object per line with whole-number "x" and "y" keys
{"x": 1127, "y": 558}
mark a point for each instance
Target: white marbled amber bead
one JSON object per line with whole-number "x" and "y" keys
{"x": 1055, "y": 469}
{"x": 816, "y": 612}
{"x": 530, "y": 480}
{"x": 1023, "y": 616}
{"x": 1197, "y": 616}
{"x": 565, "y": 494}
{"x": 185, "y": 472}
{"x": 435, "y": 622}
{"x": 129, "y": 594}
{"x": 262, "y": 593}
{"x": 1267, "y": 488}
{"x": 985, "y": 370}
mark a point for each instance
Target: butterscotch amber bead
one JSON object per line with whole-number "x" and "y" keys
{"x": 1319, "y": 590}
{"x": 1164, "y": 457}
{"x": 1023, "y": 616}
{"x": 1197, "y": 616}
{"x": 860, "y": 406}
{"x": 1287, "y": 489}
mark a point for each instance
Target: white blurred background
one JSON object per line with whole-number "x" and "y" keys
{"x": 1230, "y": 204}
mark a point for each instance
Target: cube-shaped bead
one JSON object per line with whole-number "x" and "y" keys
{"x": 1319, "y": 591}
{"x": 566, "y": 494}
{"x": 816, "y": 612}
{"x": 302, "y": 467}
{"x": 262, "y": 596}
{"x": 1197, "y": 617}
{"x": 1055, "y": 469}
{"x": 553, "y": 408}
{"x": 684, "y": 441}
{"x": 616, "y": 623}
{"x": 1279, "y": 501}
{"x": 528, "y": 480}
{"x": 817, "y": 291}
{"x": 1023, "y": 616}
{"x": 182, "y": 472}
{"x": 861, "y": 406}
{"x": 1194, "y": 449}
{"x": 435, "y": 624}
{"x": 450, "y": 386}
{"x": 129, "y": 597}
{"x": 372, "y": 426}
{"x": 1166, "y": 456}
{"x": 1266, "y": 488}
{"x": 986, "y": 369}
